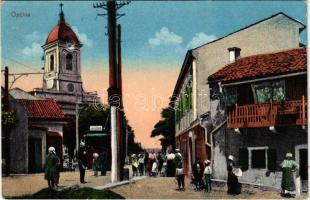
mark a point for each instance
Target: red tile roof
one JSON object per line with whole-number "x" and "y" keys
{"x": 42, "y": 109}
{"x": 263, "y": 65}
{"x": 62, "y": 32}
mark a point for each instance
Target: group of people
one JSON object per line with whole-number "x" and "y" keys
{"x": 154, "y": 164}
{"x": 171, "y": 164}
{"x": 150, "y": 164}
{"x": 52, "y": 165}
{"x": 201, "y": 176}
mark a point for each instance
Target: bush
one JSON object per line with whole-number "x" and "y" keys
{"x": 72, "y": 193}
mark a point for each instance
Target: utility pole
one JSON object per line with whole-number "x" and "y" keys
{"x": 120, "y": 125}
{"x": 115, "y": 89}
{"x": 7, "y": 130}
{"x": 76, "y": 124}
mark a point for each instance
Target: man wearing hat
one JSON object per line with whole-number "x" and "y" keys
{"x": 197, "y": 175}
{"x": 207, "y": 175}
{"x": 288, "y": 184}
{"x": 82, "y": 161}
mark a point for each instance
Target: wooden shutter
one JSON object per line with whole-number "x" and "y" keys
{"x": 272, "y": 159}
{"x": 243, "y": 161}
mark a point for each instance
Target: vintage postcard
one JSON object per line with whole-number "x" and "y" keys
{"x": 154, "y": 99}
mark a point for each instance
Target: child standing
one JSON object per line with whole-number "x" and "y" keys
{"x": 207, "y": 175}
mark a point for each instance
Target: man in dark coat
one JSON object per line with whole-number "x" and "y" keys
{"x": 103, "y": 162}
{"x": 198, "y": 174}
{"x": 160, "y": 162}
{"x": 82, "y": 161}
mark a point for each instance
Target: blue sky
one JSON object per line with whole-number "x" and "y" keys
{"x": 153, "y": 32}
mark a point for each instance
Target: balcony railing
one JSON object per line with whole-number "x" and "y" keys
{"x": 269, "y": 114}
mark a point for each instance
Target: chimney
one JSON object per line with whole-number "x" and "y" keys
{"x": 234, "y": 54}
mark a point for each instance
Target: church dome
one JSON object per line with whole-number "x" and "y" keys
{"x": 62, "y": 32}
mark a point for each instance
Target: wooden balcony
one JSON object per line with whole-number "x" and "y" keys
{"x": 269, "y": 114}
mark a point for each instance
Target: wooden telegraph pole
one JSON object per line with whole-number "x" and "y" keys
{"x": 6, "y": 129}
{"x": 113, "y": 91}
{"x": 115, "y": 86}
{"x": 120, "y": 111}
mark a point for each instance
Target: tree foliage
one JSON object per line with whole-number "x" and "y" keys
{"x": 165, "y": 128}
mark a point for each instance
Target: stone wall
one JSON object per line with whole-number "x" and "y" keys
{"x": 228, "y": 142}
{"x": 19, "y": 140}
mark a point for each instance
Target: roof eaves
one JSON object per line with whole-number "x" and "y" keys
{"x": 181, "y": 74}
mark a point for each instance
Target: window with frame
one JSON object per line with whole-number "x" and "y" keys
{"x": 69, "y": 59}
{"x": 230, "y": 96}
{"x": 269, "y": 91}
{"x": 52, "y": 63}
{"x": 258, "y": 158}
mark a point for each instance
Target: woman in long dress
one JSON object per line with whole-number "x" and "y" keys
{"x": 232, "y": 180}
{"x": 289, "y": 166}
{"x": 51, "y": 174}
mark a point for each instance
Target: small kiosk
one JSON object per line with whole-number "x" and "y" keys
{"x": 98, "y": 141}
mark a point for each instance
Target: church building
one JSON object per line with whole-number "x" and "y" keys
{"x": 62, "y": 79}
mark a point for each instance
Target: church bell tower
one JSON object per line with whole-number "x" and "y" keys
{"x": 62, "y": 67}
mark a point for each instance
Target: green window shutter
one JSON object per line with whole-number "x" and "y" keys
{"x": 182, "y": 105}
{"x": 178, "y": 112}
{"x": 190, "y": 97}
{"x": 243, "y": 159}
{"x": 187, "y": 103}
{"x": 272, "y": 159}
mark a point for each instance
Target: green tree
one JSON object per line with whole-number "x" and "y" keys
{"x": 165, "y": 128}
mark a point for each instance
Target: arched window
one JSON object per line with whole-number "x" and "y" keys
{"x": 52, "y": 63}
{"x": 69, "y": 62}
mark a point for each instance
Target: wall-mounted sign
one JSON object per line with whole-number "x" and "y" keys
{"x": 95, "y": 128}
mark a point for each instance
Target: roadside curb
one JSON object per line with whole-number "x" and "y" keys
{"x": 112, "y": 185}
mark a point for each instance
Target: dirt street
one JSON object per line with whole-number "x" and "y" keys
{"x": 146, "y": 188}
{"x": 165, "y": 188}
{"x": 28, "y": 184}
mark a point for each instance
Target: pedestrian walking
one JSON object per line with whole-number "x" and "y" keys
{"x": 82, "y": 161}
{"x": 163, "y": 171}
{"x": 198, "y": 174}
{"x": 233, "y": 185}
{"x": 95, "y": 163}
{"x": 50, "y": 173}
{"x": 160, "y": 160}
{"x": 154, "y": 168}
{"x": 288, "y": 166}
{"x": 179, "y": 171}
{"x": 141, "y": 164}
{"x": 207, "y": 175}
{"x": 102, "y": 159}
{"x": 134, "y": 164}
{"x": 170, "y": 164}
{"x": 146, "y": 161}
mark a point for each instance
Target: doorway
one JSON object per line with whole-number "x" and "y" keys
{"x": 301, "y": 156}
{"x": 34, "y": 155}
{"x": 303, "y": 161}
